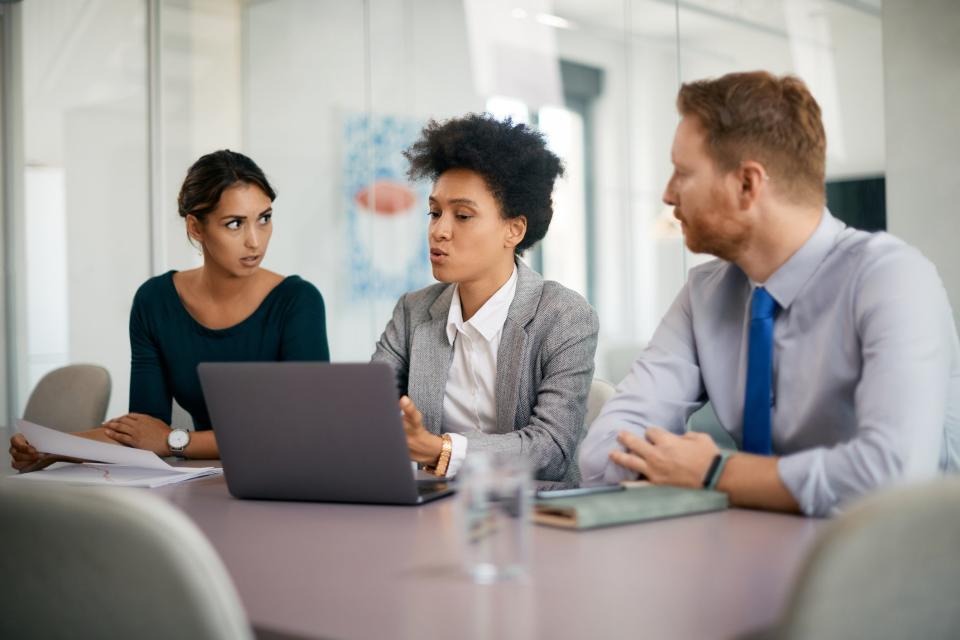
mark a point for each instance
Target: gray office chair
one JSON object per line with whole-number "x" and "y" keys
{"x": 889, "y": 568}
{"x": 108, "y": 563}
{"x": 71, "y": 398}
{"x": 600, "y": 392}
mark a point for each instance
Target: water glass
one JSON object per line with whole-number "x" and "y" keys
{"x": 494, "y": 512}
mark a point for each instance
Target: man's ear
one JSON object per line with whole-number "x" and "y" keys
{"x": 753, "y": 181}
{"x": 516, "y": 231}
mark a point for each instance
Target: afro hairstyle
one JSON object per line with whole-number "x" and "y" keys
{"x": 512, "y": 158}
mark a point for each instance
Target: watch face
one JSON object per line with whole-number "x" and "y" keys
{"x": 178, "y": 439}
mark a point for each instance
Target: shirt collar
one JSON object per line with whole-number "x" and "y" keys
{"x": 489, "y": 319}
{"x": 787, "y": 281}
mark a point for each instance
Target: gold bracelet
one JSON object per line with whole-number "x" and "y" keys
{"x": 444, "y": 461}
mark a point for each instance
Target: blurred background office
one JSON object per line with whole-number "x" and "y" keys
{"x": 105, "y": 103}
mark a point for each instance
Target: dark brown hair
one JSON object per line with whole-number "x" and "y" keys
{"x": 213, "y": 174}
{"x": 772, "y": 120}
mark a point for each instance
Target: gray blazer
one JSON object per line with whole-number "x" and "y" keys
{"x": 544, "y": 368}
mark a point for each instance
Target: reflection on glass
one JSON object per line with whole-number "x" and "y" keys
{"x": 284, "y": 80}
{"x": 86, "y": 219}
{"x": 46, "y": 273}
{"x": 564, "y": 249}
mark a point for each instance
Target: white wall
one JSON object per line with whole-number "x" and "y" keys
{"x": 107, "y": 236}
{"x": 921, "y": 55}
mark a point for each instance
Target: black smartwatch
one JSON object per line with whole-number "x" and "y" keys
{"x": 712, "y": 477}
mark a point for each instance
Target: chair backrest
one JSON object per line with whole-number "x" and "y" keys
{"x": 600, "y": 392}
{"x": 888, "y": 568}
{"x": 71, "y": 398}
{"x": 108, "y": 563}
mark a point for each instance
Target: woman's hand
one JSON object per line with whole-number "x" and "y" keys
{"x": 26, "y": 458}
{"x": 424, "y": 446}
{"x": 139, "y": 431}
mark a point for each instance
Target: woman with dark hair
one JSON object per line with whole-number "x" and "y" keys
{"x": 493, "y": 358}
{"x": 229, "y": 309}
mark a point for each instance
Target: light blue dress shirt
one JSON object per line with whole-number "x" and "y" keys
{"x": 866, "y": 372}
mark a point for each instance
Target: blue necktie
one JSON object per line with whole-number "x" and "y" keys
{"x": 756, "y": 404}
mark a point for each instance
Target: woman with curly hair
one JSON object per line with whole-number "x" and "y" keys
{"x": 493, "y": 358}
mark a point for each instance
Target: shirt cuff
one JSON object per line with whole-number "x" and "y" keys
{"x": 457, "y": 454}
{"x": 596, "y": 467}
{"x": 805, "y": 477}
{"x": 615, "y": 474}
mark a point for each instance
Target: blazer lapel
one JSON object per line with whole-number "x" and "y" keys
{"x": 513, "y": 345}
{"x": 430, "y": 354}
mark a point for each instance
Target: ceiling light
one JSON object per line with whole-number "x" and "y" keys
{"x": 555, "y": 21}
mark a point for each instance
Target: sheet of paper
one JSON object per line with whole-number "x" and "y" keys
{"x": 63, "y": 444}
{"x": 114, "y": 475}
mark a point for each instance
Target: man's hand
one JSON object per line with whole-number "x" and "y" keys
{"x": 665, "y": 458}
{"x": 139, "y": 431}
{"x": 424, "y": 446}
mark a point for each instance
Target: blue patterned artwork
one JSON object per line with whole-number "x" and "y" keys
{"x": 388, "y": 252}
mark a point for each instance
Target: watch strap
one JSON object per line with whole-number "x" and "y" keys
{"x": 443, "y": 462}
{"x": 712, "y": 477}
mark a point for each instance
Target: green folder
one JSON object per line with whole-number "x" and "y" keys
{"x": 634, "y": 504}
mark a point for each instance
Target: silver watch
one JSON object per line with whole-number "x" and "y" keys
{"x": 177, "y": 440}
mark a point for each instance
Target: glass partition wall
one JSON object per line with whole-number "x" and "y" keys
{"x": 120, "y": 97}
{"x": 84, "y": 224}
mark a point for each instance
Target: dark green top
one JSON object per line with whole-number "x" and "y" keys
{"x": 167, "y": 344}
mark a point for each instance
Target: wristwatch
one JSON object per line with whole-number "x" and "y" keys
{"x": 178, "y": 440}
{"x": 444, "y": 461}
{"x": 716, "y": 468}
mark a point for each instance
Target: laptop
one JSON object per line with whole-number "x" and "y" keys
{"x": 312, "y": 431}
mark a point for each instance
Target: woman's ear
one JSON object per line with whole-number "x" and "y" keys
{"x": 194, "y": 229}
{"x": 516, "y": 231}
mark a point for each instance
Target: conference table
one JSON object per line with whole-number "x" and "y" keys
{"x": 311, "y": 570}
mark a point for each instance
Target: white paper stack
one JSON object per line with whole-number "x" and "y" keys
{"x": 106, "y": 464}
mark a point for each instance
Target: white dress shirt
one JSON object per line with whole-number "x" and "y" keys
{"x": 866, "y": 368}
{"x": 469, "y": 399}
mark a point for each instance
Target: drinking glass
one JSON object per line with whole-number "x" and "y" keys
{"x": 494, "y": 511}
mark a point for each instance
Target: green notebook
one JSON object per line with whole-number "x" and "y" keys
{"x": 634, "y": 504}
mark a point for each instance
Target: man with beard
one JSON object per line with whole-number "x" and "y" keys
{"x": 829, "y": 354}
